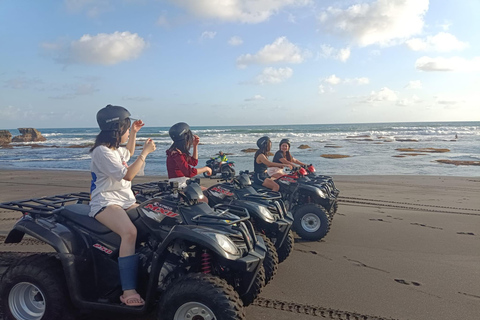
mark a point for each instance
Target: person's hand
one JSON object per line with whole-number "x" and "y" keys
{"x": 149, "y": 146}
{"x": 209, "y": 171}
{"x": 196, "y": 140}
{"x": 137, "y": 125}
{"x": 289, "y": 166}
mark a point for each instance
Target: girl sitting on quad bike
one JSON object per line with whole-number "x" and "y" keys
{"x": 261, "y": 164}
{"x": 111, "y": 192}
{"x": 283, "y": 156}
{"x": 180, "y": 164}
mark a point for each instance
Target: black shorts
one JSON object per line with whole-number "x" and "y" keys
{"x": 259, "y": 178}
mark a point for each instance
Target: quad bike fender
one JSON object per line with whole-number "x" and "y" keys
{"x": 316, "y": 195}
{"x": 54, "y": 234}
{"x": 198, "y": 235}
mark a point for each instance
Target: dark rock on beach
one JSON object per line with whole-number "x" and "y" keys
{"x": 29, "y": 135}
{"x": 5, "y": 137}
{"x": 431, "y": 150}
{"x": 334, "y": 156}
{"x": 304, "y": 146}
{"x": 460, "y": 162}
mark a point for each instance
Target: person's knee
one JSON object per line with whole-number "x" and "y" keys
{"x": 275, "y": 187}
{"x": 129, "y": 234}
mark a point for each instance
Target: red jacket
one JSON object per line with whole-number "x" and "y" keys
{"x": 178, "y": 165}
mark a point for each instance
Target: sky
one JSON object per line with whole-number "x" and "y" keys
{"x": 238, "y": 62}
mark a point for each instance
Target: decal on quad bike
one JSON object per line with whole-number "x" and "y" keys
{"x": 223, "y": 191}
{"x": 102, "y": 248}
{"x": 288, "y": 179}
{"x": 162, "y": 209}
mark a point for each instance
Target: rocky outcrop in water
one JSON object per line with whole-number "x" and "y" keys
{"x": 29, "y": 135}
{"x": 5, "y": 137}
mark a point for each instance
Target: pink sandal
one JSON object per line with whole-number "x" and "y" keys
{"x": 132, "y": 301}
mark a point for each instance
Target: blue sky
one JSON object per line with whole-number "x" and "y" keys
{"x": 239, "y": 62}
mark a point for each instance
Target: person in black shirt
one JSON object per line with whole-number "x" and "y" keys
{"x": 261, "y": 163}
{"x": 285, "y": 157}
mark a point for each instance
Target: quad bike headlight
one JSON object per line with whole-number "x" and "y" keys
{"x": 224, "y": 242}
{"x": 266, "y": 214}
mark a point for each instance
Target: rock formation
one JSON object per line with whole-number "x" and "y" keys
{"x": 29, "y": 135}
{"x": 303, "y": 146}
{"x": 334, "y": 156}
{"x": 5, "y": 137}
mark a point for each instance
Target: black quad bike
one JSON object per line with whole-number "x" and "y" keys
{"x": 268, "y": 215}
{"x": 326, "y": 182}
{"x": 265, "y": 215}
{"x": 225, "y": 168}
{"x": 309, "y": 203}
{"x": 195, "y": 270}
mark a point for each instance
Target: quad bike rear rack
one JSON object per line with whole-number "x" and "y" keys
{"x": 45, "y": 206}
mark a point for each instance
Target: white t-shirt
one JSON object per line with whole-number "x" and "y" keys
{"x": 108, "y": 187}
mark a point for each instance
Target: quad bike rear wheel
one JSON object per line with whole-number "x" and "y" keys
{"x": 311, "y": 222}
{"x": 270, "y": 263}
{"x": 35, "y": 289}
{"x": 228, "y": 170}
{"x": 200, "y": 296}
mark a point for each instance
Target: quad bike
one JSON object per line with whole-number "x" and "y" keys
{"x": 267, "y": 214}
{"x": 327, "y": 181}
{"x": 195, "y": 263}
{"x": 168, "y": 194}
{"x": 261, "y": 216}
{"x": 309, "y": 203}
{"x": 225, "y": 168}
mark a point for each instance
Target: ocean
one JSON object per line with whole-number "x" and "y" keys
{"x": 371, "y": 148}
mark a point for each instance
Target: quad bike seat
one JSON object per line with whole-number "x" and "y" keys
{"x": 78, "y": 213}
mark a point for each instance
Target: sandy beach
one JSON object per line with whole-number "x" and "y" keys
{"x": 400, "y": 247}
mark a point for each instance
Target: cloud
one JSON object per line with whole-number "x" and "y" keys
{"x": 101, "y": 49}
{"x": 22, "y": 83}
{"x": 256, "y": 97}
{"x": 281, "y": 50}
{"x": 448, "y": 64}
{"x": 384, "y": 94}
{"x": 442, "y": 42}
{"x": 414, "y": 84}
{"x": 382, "y": 22}
{"x": 327, "y": 51}
{"x": 245, "y": 11}
{"x": 273, "y": 75}
{"x": 235, "y": 41}
{"x": 208, "y": 35}
{"x": 162, "y": 20}
{"x": 334, "y": 80}
{"x": 408, "y": 102}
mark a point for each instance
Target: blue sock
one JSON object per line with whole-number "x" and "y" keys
{"x": 128, "y": 267}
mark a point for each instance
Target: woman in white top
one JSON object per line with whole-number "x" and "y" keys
{"x": 111, "y": 193}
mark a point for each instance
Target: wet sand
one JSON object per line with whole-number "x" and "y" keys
{"x": 400, "y": 247}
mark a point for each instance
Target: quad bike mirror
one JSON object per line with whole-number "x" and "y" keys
{"x": 193, "y": 192}
{"x": 244, "y": 180}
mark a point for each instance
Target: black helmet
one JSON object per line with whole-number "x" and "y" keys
{"x": 287, "y": 141}
{"x": 110, "y": 117}
{"x": 262, "y": 142}
{"x": 179, "y": 131}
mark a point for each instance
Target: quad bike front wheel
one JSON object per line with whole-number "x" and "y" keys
{"x": 311, "y": 222}
{"x": 200, "y": 296}
{"x": 34, "y": 289}
{"x": 286, "y": 247}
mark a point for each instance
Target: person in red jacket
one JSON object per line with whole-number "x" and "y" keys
{"x": 180, "y": 163}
